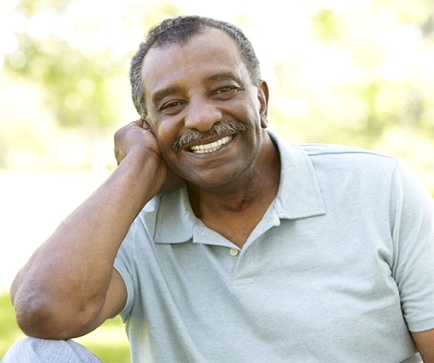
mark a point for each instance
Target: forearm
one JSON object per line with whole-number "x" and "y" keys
{"x": 67, "y": 278}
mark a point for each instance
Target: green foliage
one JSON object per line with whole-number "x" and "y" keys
{"x": 71, "y": 55}
{"x": 327, "y": 25}
{"x": 363, "y": 70}
{"x": 9, "y": 331}
{"x": 76, "y": 85}
{"x": 77, "y": 53}
{"x": 108, "y": 342}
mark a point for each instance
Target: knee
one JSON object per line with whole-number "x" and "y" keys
{"x": 20, "y": 350}
{"x": 31, "y": 350}
{"x": 36, "y": 350}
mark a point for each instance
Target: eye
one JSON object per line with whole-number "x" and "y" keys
{"x": 226, "y": 91}
{"x": 172, "y": 107}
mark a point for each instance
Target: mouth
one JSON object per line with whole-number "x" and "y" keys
{"x": 212, "y": 146}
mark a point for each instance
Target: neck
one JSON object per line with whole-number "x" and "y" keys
{"x": 234, "y": 210}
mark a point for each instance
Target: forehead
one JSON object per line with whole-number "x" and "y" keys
{"x": 204, "y": 55}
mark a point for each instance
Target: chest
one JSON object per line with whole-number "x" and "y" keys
{"x": 288, "y": 289}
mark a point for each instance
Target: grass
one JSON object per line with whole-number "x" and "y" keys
{"x": 108, "y": 342}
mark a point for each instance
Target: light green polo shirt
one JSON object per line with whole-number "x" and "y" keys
{"x": 341, "y": 263}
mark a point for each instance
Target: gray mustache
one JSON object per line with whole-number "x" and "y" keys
{"x": 220, "y": 128}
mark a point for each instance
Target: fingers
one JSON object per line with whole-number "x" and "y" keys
{"x": 137, "y": 133}
{"x": 143, "y": 123}
{"x": 138, "y": 122}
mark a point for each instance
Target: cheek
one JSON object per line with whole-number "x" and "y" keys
{"x": 166, "y": 133}
{"x": 166, "y": 137}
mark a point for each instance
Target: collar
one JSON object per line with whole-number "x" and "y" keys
{"x": 298, "y": 196}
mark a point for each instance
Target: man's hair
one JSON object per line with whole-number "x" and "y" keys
{"x": 180, "y": 30}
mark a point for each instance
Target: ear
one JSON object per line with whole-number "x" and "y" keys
{"x": 263, "y": 101}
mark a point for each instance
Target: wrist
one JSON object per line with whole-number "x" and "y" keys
{"x": 142, "y": 173}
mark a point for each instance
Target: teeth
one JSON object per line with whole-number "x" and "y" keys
{"x": 213, "y": 146}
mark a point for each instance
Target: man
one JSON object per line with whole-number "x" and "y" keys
{"x": 229, "y": 244}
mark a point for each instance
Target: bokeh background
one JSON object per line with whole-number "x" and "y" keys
{"x": 358, "y": 72}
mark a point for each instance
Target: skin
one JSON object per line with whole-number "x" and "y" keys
{"x": 69, "y": 286}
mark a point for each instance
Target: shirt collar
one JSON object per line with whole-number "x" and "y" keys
{"x": 298, "y": 196}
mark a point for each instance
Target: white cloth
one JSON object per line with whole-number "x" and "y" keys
{"x": 34, "y": 350}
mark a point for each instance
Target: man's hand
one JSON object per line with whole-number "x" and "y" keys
{"x": 137, "y": 139}
{"x": 136, "y": 136}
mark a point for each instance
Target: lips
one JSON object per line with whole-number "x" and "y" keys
{"x": 212, "y": 146}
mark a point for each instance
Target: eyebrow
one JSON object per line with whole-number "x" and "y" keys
{"x": 224, "y": 76}
{"x": 159, "y": 95}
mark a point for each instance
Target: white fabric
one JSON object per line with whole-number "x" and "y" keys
{"x": 33, "y": 350}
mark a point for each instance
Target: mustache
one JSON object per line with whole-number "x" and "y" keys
{"x": 220, "y": 128}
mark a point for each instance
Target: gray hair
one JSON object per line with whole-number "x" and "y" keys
{"x": 180, "y": 30}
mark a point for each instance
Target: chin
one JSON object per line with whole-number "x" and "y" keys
{"x": 219, "y": 182}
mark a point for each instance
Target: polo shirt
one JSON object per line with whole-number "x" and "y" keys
{"x": 339, "y": 269}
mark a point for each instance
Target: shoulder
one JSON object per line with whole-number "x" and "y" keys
{"x": 340, "y": 157}
{"x": 366, "y": 170}
{"x": 332, "y": 152}
{"x": 342, "y": 151}
{"x": 337, "y": 163}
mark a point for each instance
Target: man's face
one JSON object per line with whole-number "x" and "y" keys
{"x": 194, "y": 88}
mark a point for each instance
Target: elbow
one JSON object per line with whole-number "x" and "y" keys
{"x": 34, "y": 319}
{"x": 38, "y": 318}
{"x": 42, "y": 317}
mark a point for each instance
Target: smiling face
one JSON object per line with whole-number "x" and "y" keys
{"x": 207, "y": 115}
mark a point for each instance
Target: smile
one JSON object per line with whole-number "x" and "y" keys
{"x": 211, "y": 147}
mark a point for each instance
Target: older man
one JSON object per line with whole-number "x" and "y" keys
{"x": 217, "y": 241}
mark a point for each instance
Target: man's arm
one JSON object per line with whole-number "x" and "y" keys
{"x": 69, "y": 286}
{"x": 425, "y": 344}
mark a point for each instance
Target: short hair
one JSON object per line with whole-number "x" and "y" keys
{"x": 180, "y": 30}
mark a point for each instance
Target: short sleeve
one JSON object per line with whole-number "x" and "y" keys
{"x": 412, "y": 226}
{"x": 124, "y": 265}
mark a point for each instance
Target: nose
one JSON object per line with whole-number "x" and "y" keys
{"x": 202, "y": 114}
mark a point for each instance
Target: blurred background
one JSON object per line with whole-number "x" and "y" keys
{"x": 358, "y": 72}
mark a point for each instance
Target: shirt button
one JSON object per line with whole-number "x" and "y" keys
{"x": 233, "y": 251}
